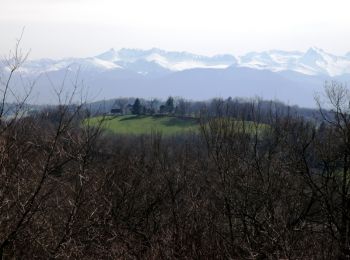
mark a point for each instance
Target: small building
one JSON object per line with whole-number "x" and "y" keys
{"x": 116, "y": 111}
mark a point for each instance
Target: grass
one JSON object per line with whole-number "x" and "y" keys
{"x": 167, "y": 125}
{"x": 138, "y": 125}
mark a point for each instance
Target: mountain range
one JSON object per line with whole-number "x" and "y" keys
{"x": 293, "y": 77}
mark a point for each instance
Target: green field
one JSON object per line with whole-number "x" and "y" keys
{"x": 137, "y": 125}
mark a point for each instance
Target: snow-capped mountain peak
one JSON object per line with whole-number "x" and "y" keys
{"x": 110, "y": 55}
{"x": 170, "y": 60}
{"x": 313, "y": 55}
{"x": 314, "y": 61}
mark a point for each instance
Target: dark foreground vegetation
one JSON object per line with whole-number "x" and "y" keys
{"x": 234, "y": 190}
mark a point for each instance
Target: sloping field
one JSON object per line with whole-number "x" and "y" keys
{"x": 137, "y": 125}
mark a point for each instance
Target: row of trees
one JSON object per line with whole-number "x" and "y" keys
{"x": 183, "y": 107}
{"x": 154, "y": 107}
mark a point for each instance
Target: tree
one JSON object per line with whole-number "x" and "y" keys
{"x": 137, "y": 107}
{"x": 169, "y": 105}
{"x": 153, "y": 106}
{"x": 122, "y": 102}
{"x": 182, "y": 107}
{"x": 52, "y": 154}
{"x": 332, "y": 184}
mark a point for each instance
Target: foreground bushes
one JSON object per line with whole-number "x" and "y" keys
{"x": 235, "y": 191}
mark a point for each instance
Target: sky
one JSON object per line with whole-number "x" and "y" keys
{"x": 82, "y": 28}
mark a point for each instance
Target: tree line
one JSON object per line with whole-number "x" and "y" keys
{"x": 182, "y": 107}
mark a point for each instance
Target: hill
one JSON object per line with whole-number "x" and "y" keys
{"x": 137, "y": 125}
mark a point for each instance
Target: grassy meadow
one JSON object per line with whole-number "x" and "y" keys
{"x": 138, "y": 125}
{"x": 166, "y": 125}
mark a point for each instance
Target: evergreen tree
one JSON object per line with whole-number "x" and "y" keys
{"x": 162, "y": 109}
{"x": 169, "y": 105}
{"x": 137, "y": 107}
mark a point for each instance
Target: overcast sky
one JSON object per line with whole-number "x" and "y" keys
{"x": 63, "y": 28}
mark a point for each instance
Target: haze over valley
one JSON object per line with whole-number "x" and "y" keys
{"x": 293, "y": 77}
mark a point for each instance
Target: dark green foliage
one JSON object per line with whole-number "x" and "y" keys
{"x": 168, "y": 107}
{"x": 137, "y": 108}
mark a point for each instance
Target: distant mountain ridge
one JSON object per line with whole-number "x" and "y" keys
{"x": 314, "y": 61}
{"x": 290, "y": 76}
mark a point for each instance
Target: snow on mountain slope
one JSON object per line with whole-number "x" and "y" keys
{"x": 157, "y": 62}
{"x": 271, "y": 60}
{"x": 37, "y": 67}
{"x": 145, "y": 62}
{"x": 179, "y": 65}
{"x": 313, "y": 62}
{"x": 172, "y": 61}
{"x": 111, "y": 55}
{"x": 326, "y": 63}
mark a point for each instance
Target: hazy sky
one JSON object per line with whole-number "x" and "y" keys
{"x": 62, "y": 28}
